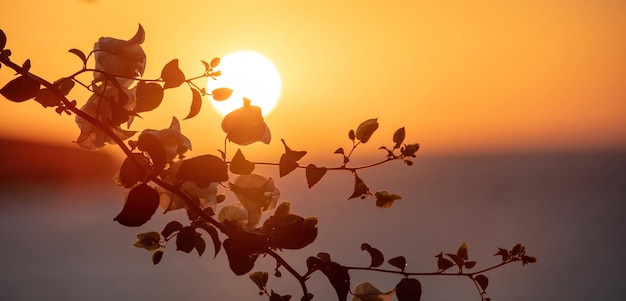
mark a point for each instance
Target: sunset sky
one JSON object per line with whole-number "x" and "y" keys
{"x": 462, "y": 76}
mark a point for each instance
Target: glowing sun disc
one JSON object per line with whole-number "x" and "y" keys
{"x": 249, "y": 75}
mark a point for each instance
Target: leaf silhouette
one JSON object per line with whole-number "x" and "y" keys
{"x": 3, "y": 40}
{"x": 141, "y": 203}
{"x": 504, "y": 253}
{"x": 337, "y": 275}
{"x": 442, "y": 263}
{"x": 155, "y": 149}
{"x": 203, "y": 170}
{"x": 200, "y": 244}
{"x": 482, "y": 280}
{"x": 398, "y": 262}
{"x": 130, "y": 173}
{"x": 221, "y": 94}
{"x": 148, "y": 96}
{"x": 196, "y": 103}
{"x": 217, "y": 244}
{"x": 157, "y": 256}
{"x": 170, "y": 228}
{"x": 289, "y": 160}
{"x": 78, "y": 53}
{"x": 239, "y": 165}
{"x": 240, "y": 259}
{"x": 172, "y": 75}
{"x": 215, "y": 62}
{"x": 409, "y": 289}
{"x": 186, "y": 239}
{"x": 366, "y": 129}
{"x": 398, "y": 137}
{"x": 314, "y": 174}
{"x": 360, "y": 188}
{"x": 20, "y": 89}
{"x": 377, "y": 256}
{"x": 461, "y": 252}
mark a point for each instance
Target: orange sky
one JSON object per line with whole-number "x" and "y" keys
{"x": 460, "y": 75}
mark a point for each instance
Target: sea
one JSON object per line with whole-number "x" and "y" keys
{"x": 59, "y": 241}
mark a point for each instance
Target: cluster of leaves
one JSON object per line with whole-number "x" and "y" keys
{"x": 156, "y": 173}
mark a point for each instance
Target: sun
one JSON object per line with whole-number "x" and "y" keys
{"x": 249, "y": 75}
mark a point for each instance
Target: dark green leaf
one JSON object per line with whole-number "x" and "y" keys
{"x": 20, "y": 89}
{"x": 314, "y": 174}
{"x": 339, "y": 151}
{"x": 186, "y": 239}
{"x": 196, "y": 103}
{"x": 170, "y": 228}
{"x": 398, "y": 262}
{"x": 239, "y": 165}
{"x": 398, "y": 137}
{"x": 203, "y": 170}
{"x": 221, "y": 94}
{"x": 141, "y": 203}
{"x": 157, "y": 256}
{"x": 148, "y": 96}
{"x": 172, "y": 75}
{"x": 516, "y": 249}
{"x": 79, "y": 54}
{"x": 409, "y": 289}
{"x": 377, "y": 256}
{"x": 351, "y": 135}
{"x": 482, "y": 280}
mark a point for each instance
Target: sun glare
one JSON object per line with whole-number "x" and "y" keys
{"x": 249, "y": 75}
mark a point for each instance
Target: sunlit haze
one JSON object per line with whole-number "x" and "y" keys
{"x": 461, "y": 76}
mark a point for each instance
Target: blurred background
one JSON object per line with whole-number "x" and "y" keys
{"x": 519, "y": 108}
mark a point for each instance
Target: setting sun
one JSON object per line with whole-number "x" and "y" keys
{"x": 250, "y": 75}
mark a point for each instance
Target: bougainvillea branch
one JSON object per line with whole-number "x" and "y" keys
{"x": 156, "y": 173}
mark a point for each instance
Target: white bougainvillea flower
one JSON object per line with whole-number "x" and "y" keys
{"x": 257, "y": 194}
{"x": 235, "y": 213}
{"x": 175, "y": 143}
{"x": 119, "y": 57}
{"x": 246, "y": 125}
{"x": 101, "y": 106}
{"x": 368, "y": 292}
{"x": 205, "y": 197}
